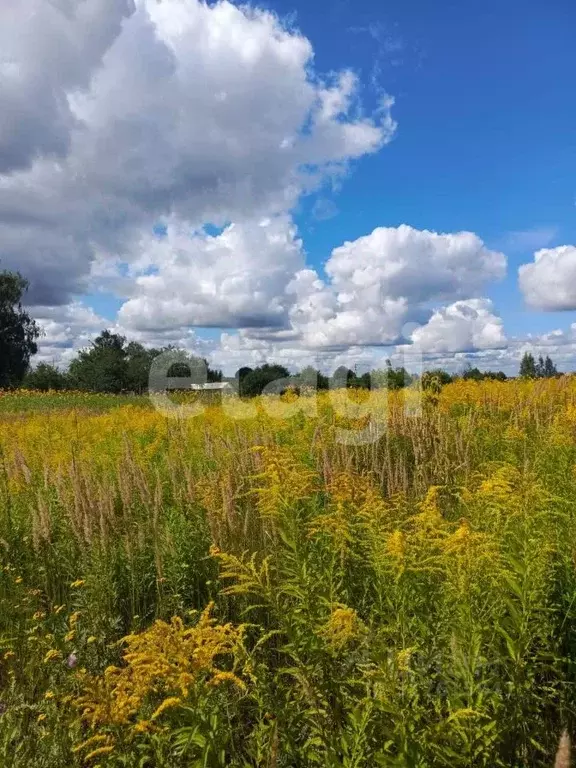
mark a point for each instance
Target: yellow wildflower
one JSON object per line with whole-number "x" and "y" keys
{"x": 342, "y": 627}
{"x": 98, "y": 739}
{"x": 227, "y": 677}
{"x": 170, "y": 703}
{"x": 165, "y": 657}
{"x": 49, "y": 695}
{"x": 52, "y": 655}
{"x": 78, "y": 583}
{"x": 143, "y": 726}
{"x": 466, "y": 712}
{"x": 403, "y": 659}
{"x": 396, "y": 545}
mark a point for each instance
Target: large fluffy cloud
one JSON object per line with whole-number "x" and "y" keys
{"x": 415, "y": 264}
{"x": 115, "y": 114}
{"x": 65, "y": 330}
{"x": 237, "y": 278}
{"x": 549, "y": 283}
{"x": 465, "y": 326}
{"x": 253, "y": 276}
{"x": 378, "y": 283}
{"x": 48, "y": 49}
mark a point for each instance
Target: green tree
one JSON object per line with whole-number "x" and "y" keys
{"x": 103, "y": 367}
{"x": 45, "y": 377}
{"x": 495, "y": 375}
{"x": 18, "y": 332}
{"x": 191, "y": 366}
{"x": 310, "y": 377}
{"x": 138, "y": 362}
{"x": 472, "y": 374}
{"x": 550, "y": 369}
{"x": 343, "y": 377}
{"x": 241, "y": 377}
{"x": 435, "y": 379}
{"x": 528, "y": 368}
{"x": 364, "y": 381}
{"x": 396, "y": 378}
{"x": 256, "y": 381}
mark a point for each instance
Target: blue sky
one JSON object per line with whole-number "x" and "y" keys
{"x": 486, "y": 111}
{"x": 158, "y": 121}
{"x": 486, "y": 140}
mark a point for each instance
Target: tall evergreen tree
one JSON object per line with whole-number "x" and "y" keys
{"x": 528, "y": 366}
{"x": 550, "y": 369}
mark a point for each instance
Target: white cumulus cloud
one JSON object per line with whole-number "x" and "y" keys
{"x": 115, "y": 114}
{"x": 237, "y": 278}
{"x": 464, "y": 326}
{"x": 253, "y": 276}
{"x": 65, "y": 330}
{"x": 549, "y": 283}
{"x": 378, "y": 283}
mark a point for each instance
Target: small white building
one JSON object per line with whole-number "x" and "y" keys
{"x": 212, "y": 386}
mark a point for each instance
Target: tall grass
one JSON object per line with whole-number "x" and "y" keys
{"x": 286, "y": 599}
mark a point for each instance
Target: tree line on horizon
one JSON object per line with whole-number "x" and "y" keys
{"x": 112, "y": 364}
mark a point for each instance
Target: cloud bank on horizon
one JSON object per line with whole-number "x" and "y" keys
{"x": 156, "y": 152}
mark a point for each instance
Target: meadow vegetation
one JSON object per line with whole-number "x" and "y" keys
{"x": 217, "y": 591}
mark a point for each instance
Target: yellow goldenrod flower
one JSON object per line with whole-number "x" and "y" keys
{"x": 169, "y": 657}
{"x": 99, "y": 752}
{"x": 78, "y": 583}
{"x": 170, "y": 703}
{"x": 342, "y": 627}
{"x": 403, "y": 659}
{"x": 52, "y": 655}
{"x": 49, "y": 695}
{"x": 98, "y": 739}
{"x": 143, "y": 726}
{"x": 396, "y": 545}
{"x": 227, "y": 677}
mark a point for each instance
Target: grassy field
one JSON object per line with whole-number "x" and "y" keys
{"x": 219, "y": 591}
